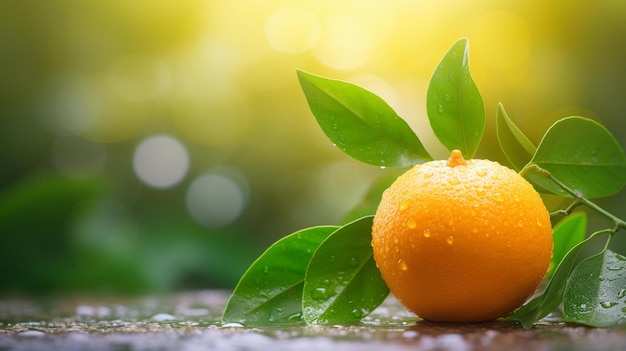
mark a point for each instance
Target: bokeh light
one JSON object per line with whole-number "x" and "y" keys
{"x": 161, "y": 161}
{"x": 68, "y": 103}
{"x": 215, "y": 199}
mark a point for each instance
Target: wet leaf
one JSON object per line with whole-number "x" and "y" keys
{"x": 454, "y": 104}
{"x": 596, "y": 291}
{"x": 583, "y": 155}
{"x": 270, "y": 291}
{"x": 566, "y": 234}
{"x": 361, "y": 124}
{"x": 342, "y": 283}
{"x": 551, "y": 298}
{"x": 515, "y": 145}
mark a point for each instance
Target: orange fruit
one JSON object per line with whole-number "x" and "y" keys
{"x": 462, "y": 241}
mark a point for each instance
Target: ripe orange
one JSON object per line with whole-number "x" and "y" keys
{"x": 462, "y": 241}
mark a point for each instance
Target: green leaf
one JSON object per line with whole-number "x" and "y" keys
{"x": 342, "y": 283}
{"x": 566, "y": 234}
{"x": 361, "y": 124}
{"x": 270, "y": 291}
{"x": 552, "y": 296}
{"x": 596, "y": 291}
{"x": 583, "y": 155}
{"x": 516, "y": 146}
{"x": 453, "y": 102}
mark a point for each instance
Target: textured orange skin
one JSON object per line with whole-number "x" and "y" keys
{"x": 462, "y": 241}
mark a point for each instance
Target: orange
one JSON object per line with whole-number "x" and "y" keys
{"x": 462, "y": 241}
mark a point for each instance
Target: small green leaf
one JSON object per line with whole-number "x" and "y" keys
{"x": 596, "y": 291}
{"x": 270, "y": 291}
{"x": 515, "y": 145}
{"x": 342, "y": 283}
{"x": 583, "y": 155}
{"x": 552, "y": 296}
{"x": 361, "y": 124}
{"x": 566, "y": 234}
{"x": 453, "y": 102}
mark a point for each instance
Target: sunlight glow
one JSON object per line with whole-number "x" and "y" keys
{"x": 501, "y": 39}
{"x": 292, "y": 29}
{"x": 347, "y": 42}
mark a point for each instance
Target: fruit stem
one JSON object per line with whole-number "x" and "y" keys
{"x": 456, "y": 159}
{"x": 580, "y": 199}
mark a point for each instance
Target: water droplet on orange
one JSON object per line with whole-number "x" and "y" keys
{"x": 450, "y": 240}
{"x": 411, "y": 224}
{"x": 402, "y": 265}
{"x": 426, "y": 233}
{"x": 404, "y": 205}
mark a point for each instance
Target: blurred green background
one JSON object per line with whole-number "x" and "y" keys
{"x": 152, "y": 146}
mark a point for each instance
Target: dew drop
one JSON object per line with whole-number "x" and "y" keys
{"x": 266, "y": 269}
{"x": 402, "y": 265}
{"x": 428, "y": 175}
{"x": 520, "y": 224}
{"x": 411, "y": 224}
{"x": 332, "y": 258}
{"x": 498, "y": 197}
{"x": 404, "y": 205}
{"x": 440, "y": 108}
{"x": 335, "y": 126}
{"x": 539, "y": 223}
{"x": 446, "y": 97}
{"x": 354, "y": 262}
{"x": 320, "y": 294}
{"x": 474, "y": 230}
{"x": 454, "y": 181}
{"x": 426, "y": 233}
{"x": 608, "y": 304}
{"x": 450, "y": 240}
{"x": 481, "y": 173}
